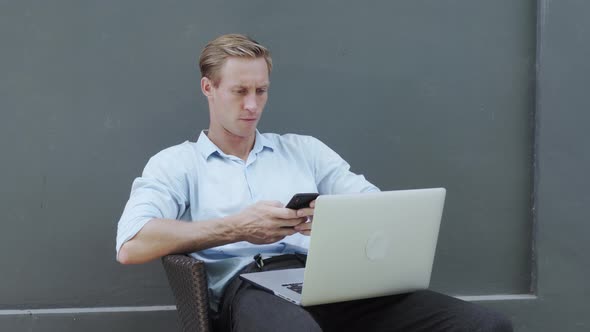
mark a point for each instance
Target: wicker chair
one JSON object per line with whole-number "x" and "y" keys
{"x": 188, "y": 280}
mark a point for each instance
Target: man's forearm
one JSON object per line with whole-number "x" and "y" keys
{"x": 160, "y": 237}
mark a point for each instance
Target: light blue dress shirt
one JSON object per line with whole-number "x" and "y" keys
{"x": 196, "y": 181}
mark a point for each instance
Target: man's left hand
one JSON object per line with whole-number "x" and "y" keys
{"x": 305, "y": 227}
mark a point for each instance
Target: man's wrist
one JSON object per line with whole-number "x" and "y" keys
{"x": 231, "y": 228}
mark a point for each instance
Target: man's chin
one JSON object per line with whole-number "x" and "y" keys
{"x": 247, "y": 129}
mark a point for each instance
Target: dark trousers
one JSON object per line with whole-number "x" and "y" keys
{"x": 247, "y": 308}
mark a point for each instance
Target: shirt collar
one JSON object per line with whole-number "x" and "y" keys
{"x": 207, "y": 148}
{"x": 262, "y": 142}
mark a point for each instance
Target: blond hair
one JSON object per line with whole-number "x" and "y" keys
{"x": 218, "y": 50}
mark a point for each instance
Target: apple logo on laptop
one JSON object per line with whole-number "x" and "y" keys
{"x": 377, "y": 246}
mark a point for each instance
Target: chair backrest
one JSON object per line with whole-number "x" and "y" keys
{"x": 188, "y": 280}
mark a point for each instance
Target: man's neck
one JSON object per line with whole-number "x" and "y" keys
{"x": 231, "y": 144}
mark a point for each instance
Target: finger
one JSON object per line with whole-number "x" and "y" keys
{"x": 303, "y": 227}
{"x": 305, "y": 212}
{"x": 291, "y": 222}
{"x": 312, "y": 204}
{"x": 286, "y": 231}
{"x": 307, "y": 233}
{"x": 283, "y": 213}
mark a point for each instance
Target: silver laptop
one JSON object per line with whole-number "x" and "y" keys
{"x": 362, "y": 246}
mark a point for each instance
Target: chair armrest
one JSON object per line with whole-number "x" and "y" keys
{"x": 188, "y": 280}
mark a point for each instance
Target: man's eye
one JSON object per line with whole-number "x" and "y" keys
{"x": 261, "y": 91}
{"x": 240, "y": 92}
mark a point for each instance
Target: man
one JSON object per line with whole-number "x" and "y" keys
{"x": 222, "y": 198}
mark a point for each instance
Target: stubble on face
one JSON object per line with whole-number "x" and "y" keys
{"x": 237, "y": 102}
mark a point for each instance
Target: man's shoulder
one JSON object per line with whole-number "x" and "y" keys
{"x": 178, "y": 149}
{"x": 175, "y": 154}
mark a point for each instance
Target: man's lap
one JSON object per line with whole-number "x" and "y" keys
{"x": 257, "y": 310}
{"x": 423, "y": 310}
{"x": 251, "y": 309}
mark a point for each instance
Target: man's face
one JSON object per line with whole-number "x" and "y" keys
{"x": 236, "y": 104}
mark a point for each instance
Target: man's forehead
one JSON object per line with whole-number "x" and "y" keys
{"x": 244, "y": 71}
{"x": 244, "y": 81}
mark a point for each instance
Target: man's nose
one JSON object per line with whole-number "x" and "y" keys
{"x": 250, "y": 103}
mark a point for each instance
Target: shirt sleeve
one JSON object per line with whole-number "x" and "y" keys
{"x": 332, "y": 173}
{"x": 161, "y": 192}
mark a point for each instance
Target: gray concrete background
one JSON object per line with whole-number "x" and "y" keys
{"x": 437, "y": 93}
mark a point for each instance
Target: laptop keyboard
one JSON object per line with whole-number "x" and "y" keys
{"x": 296, "y": 287}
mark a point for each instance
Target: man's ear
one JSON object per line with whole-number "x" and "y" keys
{"x": 206, "y": 86}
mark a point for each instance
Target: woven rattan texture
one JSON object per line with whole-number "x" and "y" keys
{"x": 188, "y": 281}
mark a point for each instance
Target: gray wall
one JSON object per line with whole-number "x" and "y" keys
{"x": 561, "y": 172}
{"x": 437, "y": 93}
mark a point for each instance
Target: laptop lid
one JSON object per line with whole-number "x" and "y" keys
{"x": 372, "y": 244}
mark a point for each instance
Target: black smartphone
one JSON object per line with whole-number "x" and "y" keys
{"x": 301, "y": 200}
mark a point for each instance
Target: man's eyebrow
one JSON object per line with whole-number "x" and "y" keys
{"x": 240, "y": 86}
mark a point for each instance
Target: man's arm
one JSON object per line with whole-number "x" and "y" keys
{"x": 261, "y": 223}
{"x": 160, "y": 237}
{"x": 333, "y": 175}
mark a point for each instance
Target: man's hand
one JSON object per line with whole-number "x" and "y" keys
{"x": 305, "y": 227}
{"x": 268, "y": 221}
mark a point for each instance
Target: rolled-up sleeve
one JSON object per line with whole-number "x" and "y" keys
{"x": 161, "y": 192}
{"x": 332, "y": 173}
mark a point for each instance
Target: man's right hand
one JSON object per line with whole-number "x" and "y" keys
{"x": 267, "y": 222}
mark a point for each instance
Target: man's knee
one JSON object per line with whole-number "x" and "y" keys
{"x": 496, "y": 322}
{"x": 459, "y": 315}
{"x": 486, "y": 320}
